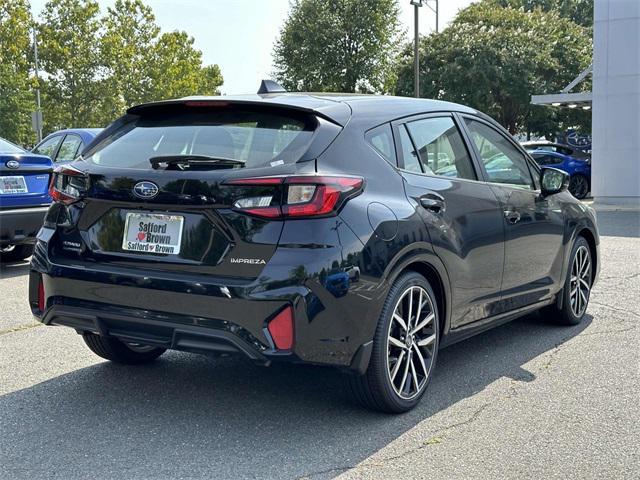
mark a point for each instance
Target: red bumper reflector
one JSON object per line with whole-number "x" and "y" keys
{"x": 281, "y": 329}
{"x": 41, "y": 301}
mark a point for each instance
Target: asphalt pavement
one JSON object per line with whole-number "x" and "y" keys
{"x": 524, "y": 400}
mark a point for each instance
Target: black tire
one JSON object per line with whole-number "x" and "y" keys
{"x": 579, "y": 186}
{"x": 566, "y": 314}
{"x": 374, "y": 389}
{"x": 16, "y": 254}
{"x": 117, "y": 351}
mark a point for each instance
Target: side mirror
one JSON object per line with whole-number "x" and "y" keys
{"x": 553, "y": 180}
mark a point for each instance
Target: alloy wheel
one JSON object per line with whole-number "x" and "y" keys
{"x": 580, "y": 282}
{"x": 579, "y": 186}
{"x": 411, "y": 342}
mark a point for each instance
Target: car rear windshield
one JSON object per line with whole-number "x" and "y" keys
{"x": 8, "y": 147}
{"x": 253, "y": 138}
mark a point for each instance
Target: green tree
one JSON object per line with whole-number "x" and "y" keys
{"x": 578, "y": 11}
{"x": 338, "y": 45}
{"x": 69, "y": 49}
{"x": 494, "y": 58}
{"x": 177, "y": 68}
{"x": 130, "y": 33}
{"x": 210, "y": 80}
{"x": 16, "y": 98}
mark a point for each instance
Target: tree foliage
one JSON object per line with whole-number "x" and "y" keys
{"x": 578, "y": 11}
{"x": 93, "y": 66}
{"x": 129, "y": 34}
{"x": 338, "y": 45}
{"x": 69, "y": 56}
{"x": 494, "y": 58}
{"x": 16, "y": 97}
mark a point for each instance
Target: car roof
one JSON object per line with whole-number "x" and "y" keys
{"x": 336, "y": 107}
{"x": 90, "y": 131}
{"x": 86, "y": 134}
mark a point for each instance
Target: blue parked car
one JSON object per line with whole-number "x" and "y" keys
{"x": 65, "y": 145}
{"x": 24, "y": 199}
{"x": 24, "y": 185}
{"x": 579, "y": 169}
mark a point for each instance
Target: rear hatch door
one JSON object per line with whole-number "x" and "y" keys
{"x": 158, "y": 191}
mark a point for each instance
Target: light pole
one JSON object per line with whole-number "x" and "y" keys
{"x": 416, "y": 59}
{"x": 434, "y": 10}
{"x": 38, "y": 114}
{"x": 416, "y": 62}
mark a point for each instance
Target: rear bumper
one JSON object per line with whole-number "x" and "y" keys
{"x": 158, "y": 330}
{"x": 171, "y": 308}
{"x": 21, "y": 225}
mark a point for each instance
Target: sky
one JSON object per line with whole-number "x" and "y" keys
{"x": 239, "y": 35}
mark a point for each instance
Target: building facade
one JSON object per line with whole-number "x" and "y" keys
{"x": 616, "y": 103}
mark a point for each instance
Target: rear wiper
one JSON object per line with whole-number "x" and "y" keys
{"x": 184, "y": 161}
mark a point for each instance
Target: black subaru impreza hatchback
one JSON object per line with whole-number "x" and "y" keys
{"x": 361, "y": 232}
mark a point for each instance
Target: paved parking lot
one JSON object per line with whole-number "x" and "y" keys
{"x": 525, "y": 400}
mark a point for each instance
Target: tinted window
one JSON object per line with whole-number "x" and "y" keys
{"x": 381, "y": 140}
{"x": 48, "y": 146}
{"x": 409, "y": 155}
{"x": 69, "y": 148}
{"x": 545, "y": 159}
{"x": 8, "y": 147}
{"x": 440, "y": 147}
{"x": 503, "y": 162}
{"x": 257, "y": 139}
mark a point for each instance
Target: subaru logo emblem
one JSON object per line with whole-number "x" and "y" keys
{"x": 145, "y": 190}
{"x": 13, "y": 164}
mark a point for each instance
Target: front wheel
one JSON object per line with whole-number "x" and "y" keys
{"x": 577, "y": 287}
{"x": 405, "y": 347}
{"x": 118, "y": 351}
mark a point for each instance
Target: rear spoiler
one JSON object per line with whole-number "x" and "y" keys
{"x": 335, "y": 112}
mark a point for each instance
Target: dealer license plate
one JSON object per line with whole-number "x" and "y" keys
{"x": 13, "y": 184}
{"x": 152, "y": 233}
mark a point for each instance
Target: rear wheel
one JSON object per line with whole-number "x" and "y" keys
{"x": 579, "y": 186}
{"x": 120, "y": 352}
{"x": 405, "y": 347}
{"x": 577, "y": 287}
{"x": 15, "y": 253}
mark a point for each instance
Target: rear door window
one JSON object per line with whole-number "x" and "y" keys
{"x": 409, "y": 155}
{"x": 441, "y": 148}
{"x": 48, "y": 147}
{"x": 69, "y": 148}
{"x": 256, "y": 139}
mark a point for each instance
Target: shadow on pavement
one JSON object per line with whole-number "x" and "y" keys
{"x": 193, "y": 416}
{"x": 17, "y": 269}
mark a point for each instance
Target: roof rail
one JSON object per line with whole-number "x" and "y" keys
{"x": 269, "y": 86}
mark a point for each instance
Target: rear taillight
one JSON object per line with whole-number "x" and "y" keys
{"x": 41, "y": 300}
{"x": 302, "y": 196}
{"x": 68, "y": 184}
{"x": 281, "y": 329}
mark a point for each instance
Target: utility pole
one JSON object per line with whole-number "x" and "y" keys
{"x": 416, "y": 60}
{"x": 37, "y": 120}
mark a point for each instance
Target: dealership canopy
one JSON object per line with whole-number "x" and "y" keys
{"x": 566, "y": 99}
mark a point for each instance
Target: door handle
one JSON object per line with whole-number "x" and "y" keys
{"x": 432, "y": 203}
{"x": 512, "y": 216}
